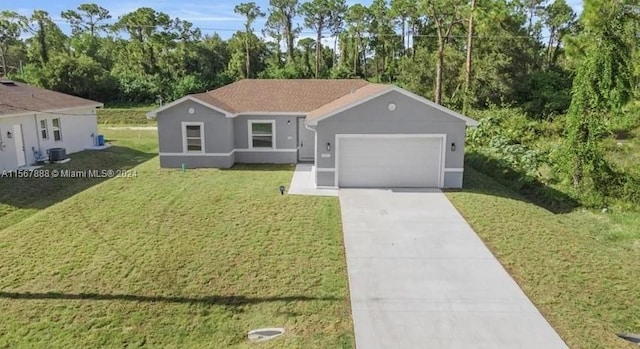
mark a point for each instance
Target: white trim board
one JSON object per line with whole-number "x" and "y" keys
{"x": 265, "y": 150}
{"x": 196, "y": 154}
{"x": 255, "y": 150}
{"x": 59, "y": 112}
{"x": 154, "y": 113}
{"x": 430, "y": 135}
{"x": 454, "y": 170}
{"x": 269, "y": 113}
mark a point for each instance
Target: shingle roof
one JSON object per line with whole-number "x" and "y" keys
{"x": 348, "y": 99}
{"x": 254, "y": 95}
{"x": 314, "y": 98}
{"x": 16, "y": 98}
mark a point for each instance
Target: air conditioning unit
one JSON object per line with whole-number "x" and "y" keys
{"x": 57, "y": 154}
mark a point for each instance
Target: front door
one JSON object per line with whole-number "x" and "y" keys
{"x": 306, "y": 142}
{"x": 17, "y": 136}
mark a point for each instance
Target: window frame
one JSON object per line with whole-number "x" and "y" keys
{"x": 55, "y": 128}
{"x": 185, "y": 144}
{"x": 45, "y": 129}
{"x": 251, "y": 135}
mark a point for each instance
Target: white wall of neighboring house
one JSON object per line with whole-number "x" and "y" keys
{"x": 76, "y": 128}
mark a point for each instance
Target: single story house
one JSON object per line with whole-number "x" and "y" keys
{"x": 357, "y": 134}
{"x": 33, "y": 120}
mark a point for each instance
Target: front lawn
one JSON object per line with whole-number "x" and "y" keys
{"x": 23, "y": 197}
{"x": 581, "y": 269}
{"x": 178, "y": 260}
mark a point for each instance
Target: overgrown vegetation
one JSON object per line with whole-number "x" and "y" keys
{"x": 529, "y": 156}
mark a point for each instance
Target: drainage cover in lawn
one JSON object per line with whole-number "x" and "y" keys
{"x": 264, "y": 334}
{"x": 633, "y": 338}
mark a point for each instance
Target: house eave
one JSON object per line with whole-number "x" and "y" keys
{"x": 52, "y": 111}
{"x": 468, "y": 121}
{"x": 154, "y": 113}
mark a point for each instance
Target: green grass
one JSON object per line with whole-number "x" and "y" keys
{"x": 23, "y": 197}
{"x": 172, "y": 260}
{"x": 581, "y": 269}
{"x": 125, "y": 115}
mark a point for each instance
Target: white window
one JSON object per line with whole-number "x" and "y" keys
{"x": 44, "y": 130}
{"x": 57, "y": 133}
{"x": 192, "y": 137}
{"x": 262, "y": 134}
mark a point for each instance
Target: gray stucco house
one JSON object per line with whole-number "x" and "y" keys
{"x": 356, "y": 133}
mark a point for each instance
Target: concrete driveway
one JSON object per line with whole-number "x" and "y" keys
{"x": 420, "y": 277}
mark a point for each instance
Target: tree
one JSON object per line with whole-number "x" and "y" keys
{"x": 336, "y": 23}
{"x": 236, "y": 68}
{"x": 467, "y": 70}
{"x": 321, "y": 15}
{"x": 601, "y": 87}
{"x": 284, "y": 12}
{"x": 150, "y": 33}
{"x": 10, "y": 30}
{"x": 357, "y": 18}
{"x": 533, "y": 8}
{"x": 251, "y": 11}
{"x": 559, "y": 18}
{"x": 47, "y": 35}
{"x": 403, "y": 11}
{"x": 445, "y": 15}
{"x": 88, "y": 18}
{"x": 317, "y": 14}
{"x": 308, "y": 44}
{"x": 274, "y": 29}
{"x": 383, "y": 39}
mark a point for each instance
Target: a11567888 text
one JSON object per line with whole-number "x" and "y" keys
{"x": 70, "y": 173}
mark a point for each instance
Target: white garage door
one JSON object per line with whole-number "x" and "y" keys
{"x": 399, "y": 161}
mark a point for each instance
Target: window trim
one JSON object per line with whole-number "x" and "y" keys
{"x": 54, "y": 129}
{"x": 250, "y": 133}
{"x": 185, "y": 148}
{"x": 45, "y": 129}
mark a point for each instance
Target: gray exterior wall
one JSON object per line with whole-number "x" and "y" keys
{"x": 325, "y": 179}
{"x": 218, "y": 137}
{"x": 374, "y": 117}
{"x": 286, "y": 140}
{"x": 453, "y": 179}
{"x": 226, "y": 139}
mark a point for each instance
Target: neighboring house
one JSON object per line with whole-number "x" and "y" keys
{"x": 33, "y": 120}
{"x": 357, "y": 134}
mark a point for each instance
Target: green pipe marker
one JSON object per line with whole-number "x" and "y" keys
{"x": 183, "y": 167}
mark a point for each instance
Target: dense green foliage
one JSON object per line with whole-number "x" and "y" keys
{"x": 145, "y": 54}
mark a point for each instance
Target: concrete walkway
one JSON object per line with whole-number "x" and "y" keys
{"x": 303, "y": 182}
{"x": 420, "y": 277}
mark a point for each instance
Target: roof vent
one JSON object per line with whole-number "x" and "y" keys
{"x": 7, "y": 82}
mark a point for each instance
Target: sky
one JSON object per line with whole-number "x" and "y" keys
{"x": 209, "y": 15}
